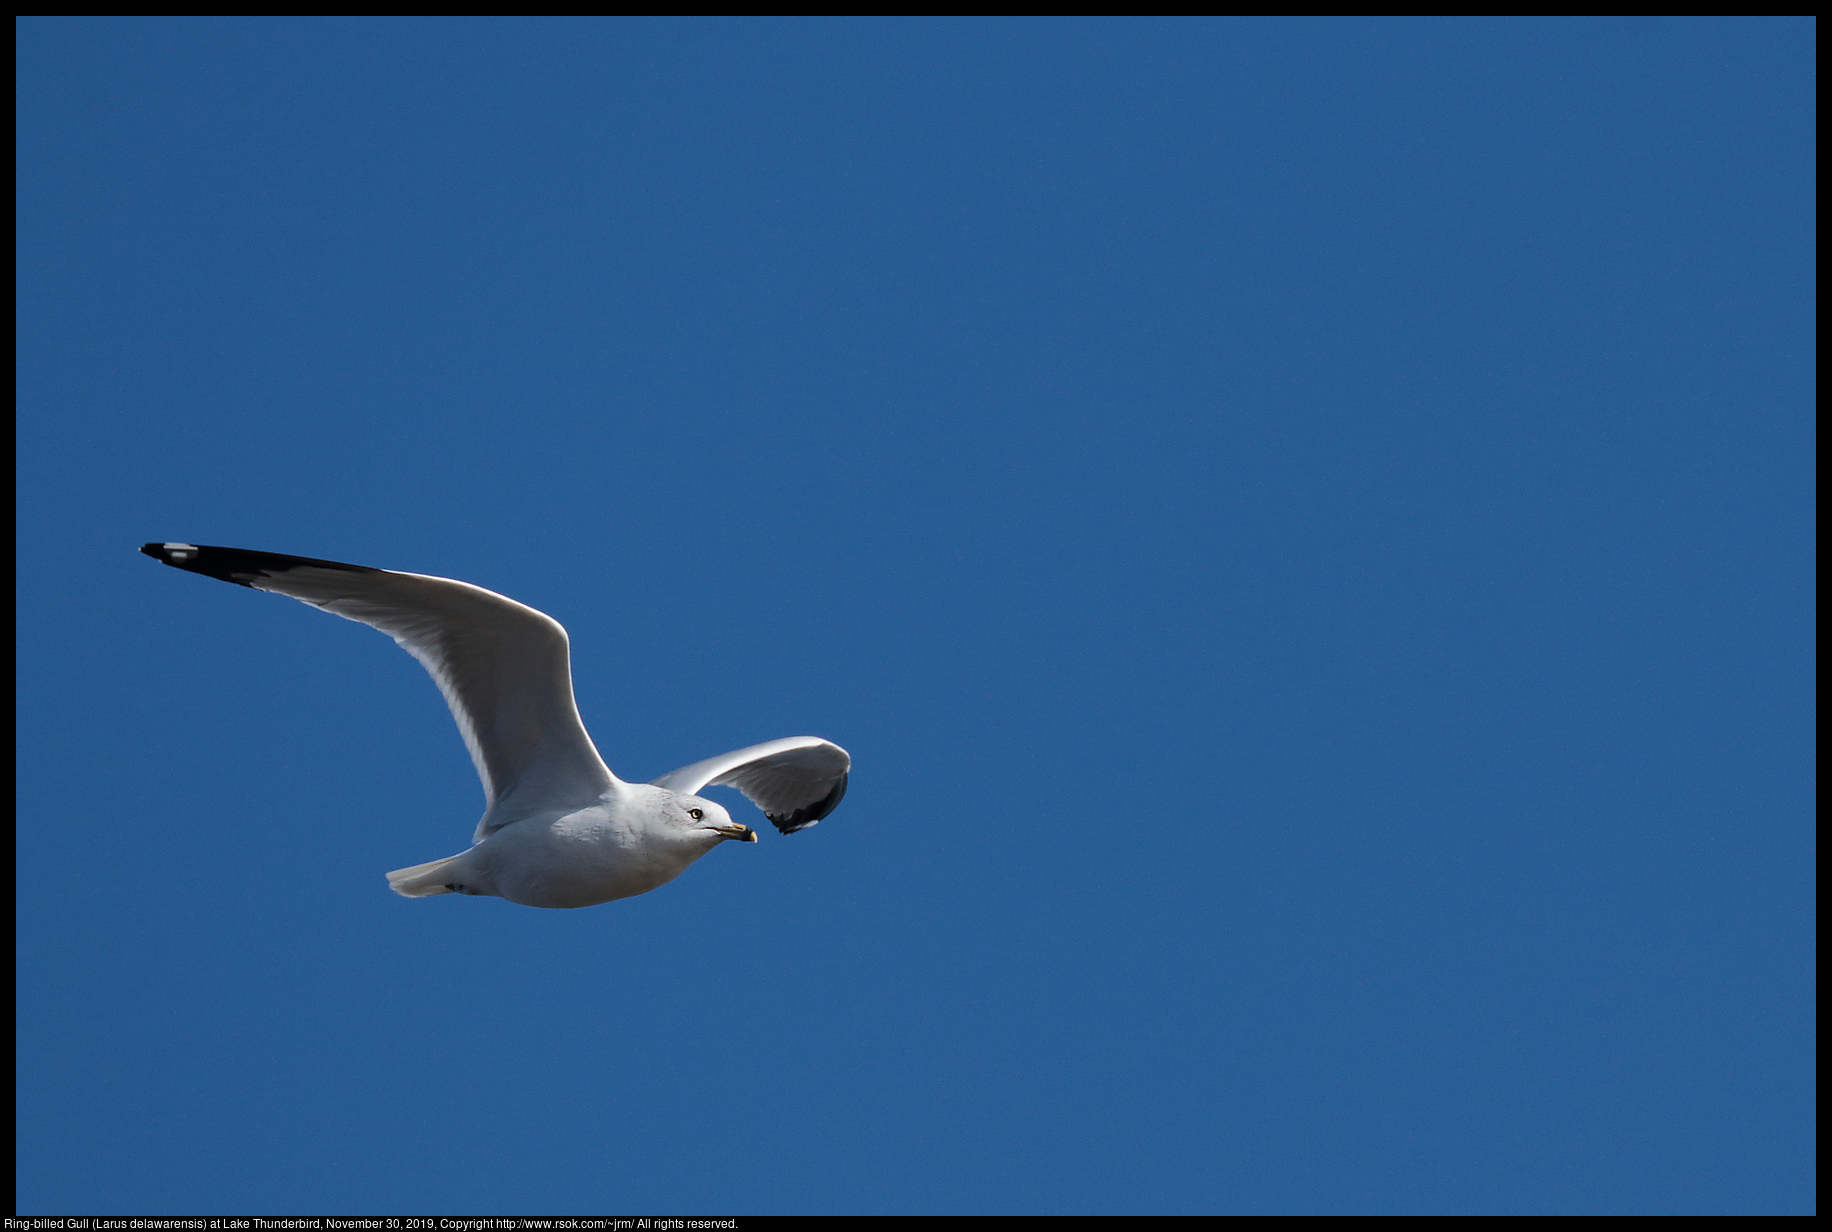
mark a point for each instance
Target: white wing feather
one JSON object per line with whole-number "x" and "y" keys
{"x": 796, "y": 781}
{"x": 502, "y": 666}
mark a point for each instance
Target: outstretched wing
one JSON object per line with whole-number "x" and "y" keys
{"x": 502, "y": 667}
{"x": 796, "y": 782}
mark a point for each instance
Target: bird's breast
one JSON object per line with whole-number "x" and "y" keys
{"x": 579, "y": 860}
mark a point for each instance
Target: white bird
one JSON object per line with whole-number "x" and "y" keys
{"x": 560, "y": 830}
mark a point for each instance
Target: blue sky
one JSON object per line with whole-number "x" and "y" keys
{"x": 1303, "y": 525}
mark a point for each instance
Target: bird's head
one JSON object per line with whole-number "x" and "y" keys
{"x": 693, "y": 813}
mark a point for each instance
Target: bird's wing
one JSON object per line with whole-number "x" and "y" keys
{"x": 796, "y": 782}
{"x": 503, "y": 667}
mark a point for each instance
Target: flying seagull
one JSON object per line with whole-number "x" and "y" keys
{"x": 560, "y": 830}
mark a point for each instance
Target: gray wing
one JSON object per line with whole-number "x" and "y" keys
{"x": 796, "y": 781}
{"x": 503, "y": 667}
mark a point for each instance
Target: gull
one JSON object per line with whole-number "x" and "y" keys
{"x": 559, "y": 829}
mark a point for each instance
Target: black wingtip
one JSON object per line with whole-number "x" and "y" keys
{"x": 802, "y": 818}
{"x": 193, "y": 558}
{"x": 236, "y": 565}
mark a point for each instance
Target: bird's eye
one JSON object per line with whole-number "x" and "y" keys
{"x": 696, "y": 814}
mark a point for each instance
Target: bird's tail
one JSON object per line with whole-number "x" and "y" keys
{"x": 425, "y": 880}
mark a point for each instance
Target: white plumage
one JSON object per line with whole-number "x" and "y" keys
{"x": 559, "y": 830}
